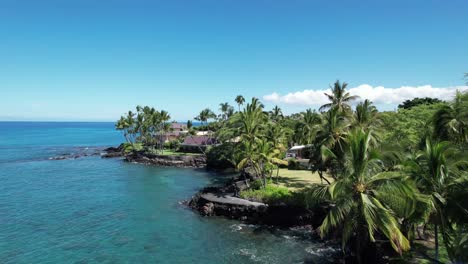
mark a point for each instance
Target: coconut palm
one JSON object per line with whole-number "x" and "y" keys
{"x": 225, "y": 109}
{"x": 307, "y": 127}
{"x": 436, "y": 172}
{"x": 205, "y": 115}
{"x": 339, "y": 97}
{"x": 250, "y": 123}
{"x": 330, "y": 140}
{"x": 451, "y": 121}
{"x": 362, "y": 202}
{"x": 240, "y": 101}
{"x": 366, "y": 115}
{"x": 276, "y": 114}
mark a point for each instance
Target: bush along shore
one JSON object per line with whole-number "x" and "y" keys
{"x": 227, "y": 201}
{"x": 386, "y": 185}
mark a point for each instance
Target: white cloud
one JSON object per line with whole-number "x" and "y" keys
{"x": 379, "y": 95}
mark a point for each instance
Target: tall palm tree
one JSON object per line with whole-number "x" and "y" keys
{"x": 331, "y": 140}
{"x": 339, "y": 98}
{"x": 307, "y": 127}
{"x": 276, "y": 114}
{"x": 363, "y": 201}
{"x": 451, "y": 121}
{"x": 240, "y": 100}
{"x": 205, "y": 115}
{"x": 224, "y": 108}
{"x": 436, "y": 173}
{"x": 366, "y": 115}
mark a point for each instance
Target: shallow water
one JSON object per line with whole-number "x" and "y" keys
{"x": 93, "y": 210}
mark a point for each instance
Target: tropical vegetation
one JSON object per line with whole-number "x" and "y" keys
{"x": 386, "y": 178}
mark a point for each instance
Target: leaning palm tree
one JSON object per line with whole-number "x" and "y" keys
{"x": 451, "y": 121}
{"x": 339, "y": 97}
{"x": 240, "y": 100}
{"x": 363, "y": 201}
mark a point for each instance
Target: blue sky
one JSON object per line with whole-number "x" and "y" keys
{"x": 94, "y": 60}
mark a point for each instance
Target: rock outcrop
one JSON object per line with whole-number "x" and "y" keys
{"x": 113, "y": 152}
{"x": 180, "y": 161}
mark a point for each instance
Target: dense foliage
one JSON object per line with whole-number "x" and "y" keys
{"x": 418, "y": 101}
{"x": 393, "y": 173}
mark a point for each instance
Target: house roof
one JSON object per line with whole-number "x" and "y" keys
{"x": 297, "y": 147}
{"x": 199, "y": 140}
{"x": 178, "y": 126}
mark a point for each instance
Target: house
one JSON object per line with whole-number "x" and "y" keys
{"x": 176, "y": 131}
{"x": 178, "y": 127}
{"x": 197, "y": 143}
{"x": 296, "y": 152}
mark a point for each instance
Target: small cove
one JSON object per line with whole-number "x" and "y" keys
{"x": 93, "y": 210}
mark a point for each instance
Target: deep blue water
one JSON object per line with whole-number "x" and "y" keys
{"x": 93, "y": 210}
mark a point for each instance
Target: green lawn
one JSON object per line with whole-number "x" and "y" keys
{"x": 297, "y": 179}
{"x": 173, "y": 153}
{"x": 169, "y": 152}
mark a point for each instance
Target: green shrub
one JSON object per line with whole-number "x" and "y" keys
{"x": 128, "y": 147}
{"x": 293, "y": 164}
{"x": 220, "y": 156}
{"x": 274, "y": 195}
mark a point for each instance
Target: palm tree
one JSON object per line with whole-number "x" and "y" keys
{"x": 364, "y": 199}
{"x": 330, "y": 140}
{"x": 240, "y": 101}
{"x": 224, "y": 108}
{"x": 251, "y": 121}
{"x": 205, "y": 115}
{"x": 451, "y": 121}
{"x": 276, "y": 114}
{"x": 366, "y": 115}
{"x": 436, "y": 173}
{"x": 307, "y": 127}
{"x": 339, "y": 98}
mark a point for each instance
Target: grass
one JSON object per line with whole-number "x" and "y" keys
{"x": 174, "y": 153}
{"x": 170, "y": 152}
{"x": 274, "y": 195}
{"x": 297, "y": 179}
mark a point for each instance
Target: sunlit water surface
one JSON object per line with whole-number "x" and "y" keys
{"x": 93, "y": 210}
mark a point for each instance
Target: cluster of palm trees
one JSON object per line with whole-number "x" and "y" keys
{"x": 146, "y": 126}
{"x": 379, "y": 189}
{"x": 368, "y": 198}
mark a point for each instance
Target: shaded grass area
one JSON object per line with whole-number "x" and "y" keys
{"x": 297, "y": 179}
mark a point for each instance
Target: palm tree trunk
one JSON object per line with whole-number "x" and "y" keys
{"x": 436, "y": 238}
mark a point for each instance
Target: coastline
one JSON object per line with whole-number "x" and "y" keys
{"x": 223, "y": 201}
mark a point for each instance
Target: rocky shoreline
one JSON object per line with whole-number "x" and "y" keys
{"x": 223, "y": 201}
{"x": 178, "y": 161}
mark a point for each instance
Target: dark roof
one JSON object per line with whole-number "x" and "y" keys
{"x": 199, "y": 140}
{"x": 178, "y": 126}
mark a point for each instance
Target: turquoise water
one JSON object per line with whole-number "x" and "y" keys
{"x": 93, "y": 210}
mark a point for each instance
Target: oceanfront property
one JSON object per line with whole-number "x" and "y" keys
{"x": 245, "y": 132}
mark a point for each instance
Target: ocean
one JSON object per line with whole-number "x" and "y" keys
{"x": 61, "y": 203}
